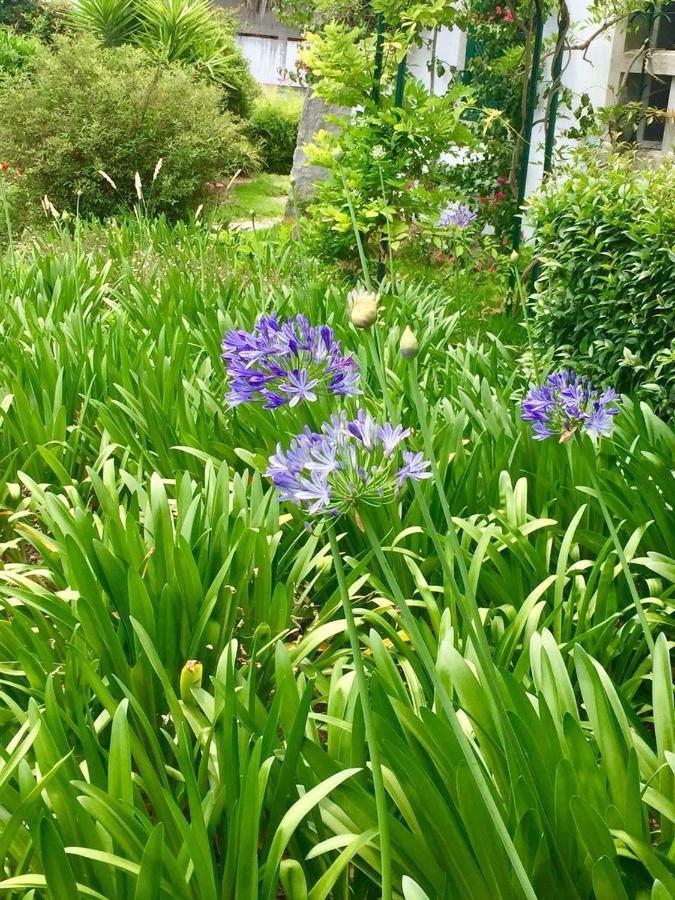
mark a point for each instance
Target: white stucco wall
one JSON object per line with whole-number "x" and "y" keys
{"x": 450, "y": 51}
{"x": 588, "y": 73}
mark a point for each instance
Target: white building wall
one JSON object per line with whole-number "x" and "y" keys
{"x": 270, "y": 58}
{"x": 582, "y": 73}
{"x": 450, "y": 50}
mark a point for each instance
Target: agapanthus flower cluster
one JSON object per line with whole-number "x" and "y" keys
{"x": 566, "y": 404}
{"x": 286, "y": 363}
{"x": 347, "y": 462}
{"x": 458, "y": 215}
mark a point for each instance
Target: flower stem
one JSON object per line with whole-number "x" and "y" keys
{"x": 357, "y": 234}
{"x": 526, "y": 317}
{"x": 642, "y": 616}
{"x": 371, "y": 734}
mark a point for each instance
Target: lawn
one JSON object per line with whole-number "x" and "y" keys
{"x": 261, "y": 198}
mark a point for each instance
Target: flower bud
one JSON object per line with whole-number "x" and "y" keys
{"x": 514, "y": 257}
{"x": 362, "y": 308}
{"x": 408, "y": 347}
{"x": 190, "y": 677}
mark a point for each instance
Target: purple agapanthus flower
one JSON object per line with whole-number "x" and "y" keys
{"x": 288, "y": 362}
{"x": 347, "y": 462}
{"x": 458, "y": 215}
{"x": 566, "y": 404}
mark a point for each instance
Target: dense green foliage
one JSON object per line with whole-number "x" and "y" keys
{"x": 139, "y": 532}
{"x": 16, "y": 12}
{"x": 274, "y": 126}
{"x": 83, "y": 110}
{"x": 605, "y": 241}
{"x": 197, "y": 34}
{"x": 16, "y": 51}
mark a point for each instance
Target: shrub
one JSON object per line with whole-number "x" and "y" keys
{"x": 87, "y": 109}
{"x": 16, "y": 51}
{"x": 197, "y": 34}
{"x": 605, "y": 240}
{"x": 16, "y": 12}
{"x": 274, "y": 124}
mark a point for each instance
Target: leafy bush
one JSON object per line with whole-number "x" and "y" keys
{"x": 87, "y": 109}
{"x": 605, "y": 239}
{"x": 274, "y": 125}
{"x": 16, "y": 12}
{"x": 16, "y": 51}
{"x": 195, "y": 33}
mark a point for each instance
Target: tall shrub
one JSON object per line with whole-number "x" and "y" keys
{"x": 195, "y": 33}
{"x": 604, "y": 237}
{"x": 86, "y": 109}
{"x": 274, "y": 124}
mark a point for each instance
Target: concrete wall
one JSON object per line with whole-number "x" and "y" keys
{"x": 270, "y": 47}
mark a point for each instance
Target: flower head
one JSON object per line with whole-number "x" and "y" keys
{"x": 363, "y": 308}
{"x": 565, "y": 404}
{"x": 287, "y": 362}
{"x": 458, "y": 215}
{"x": 408, "y": 345}
{"x": 347, "y": 462}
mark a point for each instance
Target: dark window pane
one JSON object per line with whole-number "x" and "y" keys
{"x": 665, "y": 39}
{"x": 636, "y": 31}
{"x": 659, "y": 91}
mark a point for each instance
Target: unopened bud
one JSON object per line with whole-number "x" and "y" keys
{"x": 514, "y": 257}
{"x": 362, "y": 308}
{"x": 408, "y": 347}
{"x": 190, "y": 678}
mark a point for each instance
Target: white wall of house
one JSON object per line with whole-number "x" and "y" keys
{"x": 272, "y": 48}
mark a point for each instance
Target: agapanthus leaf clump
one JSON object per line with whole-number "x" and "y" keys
{"x": 457, "y": 215}
{"x": 566, "y": 404}
{"x": 287, "y": 362}
{"x": 347, "y": 463}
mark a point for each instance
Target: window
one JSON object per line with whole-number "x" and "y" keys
{"x": 651, "y": 75}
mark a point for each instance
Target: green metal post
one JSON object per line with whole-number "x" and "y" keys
{"x": 379, "y": 56}
{"x": 556, "y": 70}
{"x": 529, "y": 121}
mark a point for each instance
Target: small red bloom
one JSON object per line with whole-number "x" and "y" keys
{"x": 483, "y": 199}
{"x": 503, "y": 179}
{"x": 498, "y": 10}
{"x": 508, "y": 16}
{"x": 499, "y": 195}
{"x": 5, "y": 166}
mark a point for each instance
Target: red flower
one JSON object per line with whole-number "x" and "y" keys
{"x": 499, "y": 195}
{"x": 5, "y": 166}
{"x": 503, "y": 179}
{"x": 498, "y": 10}
{"x": 483, "y": 199}
{"x": 508, "y": 16}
